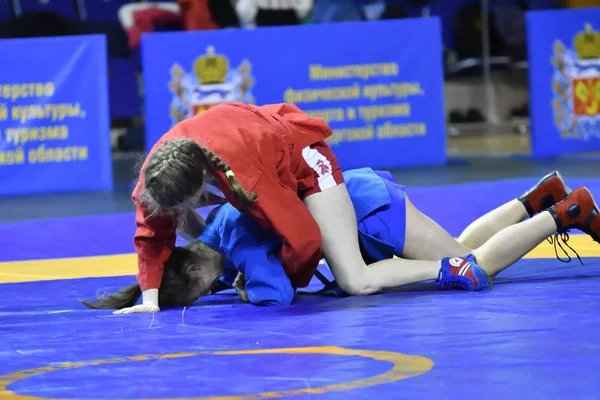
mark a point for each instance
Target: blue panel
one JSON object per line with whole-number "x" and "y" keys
{"x": 124, "y": 92}
{"x": 384, "y": 102}
{"x": 564, "y": 80}
{"x": 54, "y": 122}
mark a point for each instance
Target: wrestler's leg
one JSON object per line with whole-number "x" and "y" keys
{"x": 425, "y": 239}
{"x": 483, "y": 228}
{"x": 550, "y": 190}
{"x": 334, "y": 212}
{"x": 513, "y": 242}
{"x": 577, "y": 211}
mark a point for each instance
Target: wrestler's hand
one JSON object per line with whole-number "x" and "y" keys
{"x": 147, "y": 307}
{"x": 240, "y": 286}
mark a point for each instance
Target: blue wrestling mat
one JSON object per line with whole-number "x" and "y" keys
{"x": 532, "y": 337}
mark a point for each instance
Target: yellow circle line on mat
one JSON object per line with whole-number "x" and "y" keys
{"x": 403, "y": 367}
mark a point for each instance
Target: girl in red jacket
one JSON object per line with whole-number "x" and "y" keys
{"x": 264, "y": 160}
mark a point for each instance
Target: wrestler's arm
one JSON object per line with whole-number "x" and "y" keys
{"x": 253, "y": 252}
{"x": 154, "y": 241}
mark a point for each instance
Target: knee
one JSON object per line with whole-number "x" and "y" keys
{"x": 356, "y": 286}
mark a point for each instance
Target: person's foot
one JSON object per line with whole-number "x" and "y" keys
{"x": 463, "y": 273}
{"x": 578, "y": 211}
{"x": 550, "y": 190}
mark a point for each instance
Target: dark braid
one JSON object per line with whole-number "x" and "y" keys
{"x": 245, "y": 199}
{"x": 177, "y": 170}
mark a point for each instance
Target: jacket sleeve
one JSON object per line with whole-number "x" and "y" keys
{"x": 301, "y": 249}
{"x": 154, "y": 241}
{"x": 251, "y": 249}
{"x": 266, "y": 281}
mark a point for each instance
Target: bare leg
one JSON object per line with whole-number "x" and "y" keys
{"x": 426, "y": 240}
{"x": 513, "y": 242}
{"x": 482, "y": 229}
{"x": 334, "y": 212}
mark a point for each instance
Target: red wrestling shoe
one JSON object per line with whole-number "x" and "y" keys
{"x": 578, "y": 211}
{"x": 550, "y": 190}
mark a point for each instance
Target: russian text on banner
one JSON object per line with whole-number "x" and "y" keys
{"x": 54, "y": 120}
{"x": 379, "y": 85}
{"x": 564, "y": 74}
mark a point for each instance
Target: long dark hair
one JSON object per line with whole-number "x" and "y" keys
{"x": 175, "y": 280}
{"x": 177, "y": 170}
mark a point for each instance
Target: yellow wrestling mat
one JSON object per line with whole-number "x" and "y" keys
{"x": 125, "y": 264}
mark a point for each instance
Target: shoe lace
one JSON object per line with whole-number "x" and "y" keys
{"x": 556, "y": 240}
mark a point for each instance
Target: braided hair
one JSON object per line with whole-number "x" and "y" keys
{"x": 177, "y": 170}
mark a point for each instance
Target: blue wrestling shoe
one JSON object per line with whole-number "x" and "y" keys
{"x": 463, "y": 273}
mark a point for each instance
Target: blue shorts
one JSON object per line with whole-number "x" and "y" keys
{"x": 388, "y": 223}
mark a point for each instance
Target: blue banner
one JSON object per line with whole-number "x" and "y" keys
{"x": 54, "y": 120}
{"x": 379, "y": 84}
{"x": 564, "y": 74}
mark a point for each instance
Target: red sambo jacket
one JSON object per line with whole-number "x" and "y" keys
{"x": 263, "y": 146}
